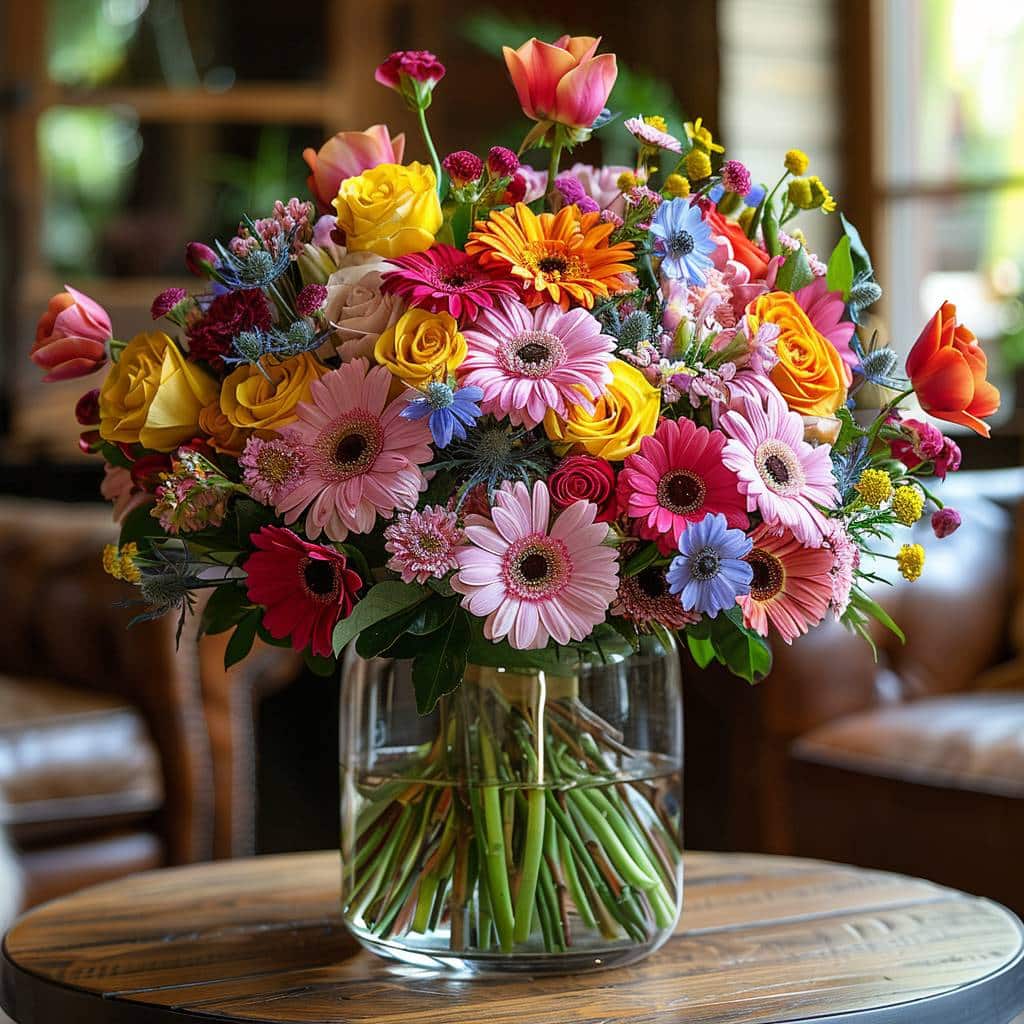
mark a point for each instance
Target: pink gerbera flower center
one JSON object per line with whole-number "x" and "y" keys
{"x": 779, "y": 467}
{"x": 351, "y": 446}
{"x": 769, "y": 575}
{"x": 531, "y": 354}
{"x": 319, "y": 580}
{"x": 536, "y": 567}
{"x": 682, "y": 491}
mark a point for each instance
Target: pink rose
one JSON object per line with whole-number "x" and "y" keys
{"x": 71, "y": 336}
{"x": 357, "y": 306}
{"x": 584, "y": 478}
{"x": 347, "y": 155}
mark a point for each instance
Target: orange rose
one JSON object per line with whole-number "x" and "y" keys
{"x": 948, "y": 369}
{"x": 810, "y": 374}
{"x": 224, "y": 436}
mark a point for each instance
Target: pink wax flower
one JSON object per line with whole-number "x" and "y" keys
{"x": 825, "y": 310}
{"x": 346, "y": 155}
{"x": 563, "y": 82}
{"x": 945, "y": 521}
{"x": 533, "y": 577}
{"x": 71, "y": 336}
{"x": 164, "y": 303}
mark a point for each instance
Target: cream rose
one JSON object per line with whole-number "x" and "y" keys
{"x": 357, "y": 306}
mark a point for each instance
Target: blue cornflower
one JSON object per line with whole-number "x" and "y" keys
{"x": 709, "y": 572}
{"x": 683, "y": 241}
{"x": 450, "y": 411}
{"x": 752, "y": 198}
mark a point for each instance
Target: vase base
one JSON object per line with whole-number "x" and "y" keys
{"x": 491, "y": 964}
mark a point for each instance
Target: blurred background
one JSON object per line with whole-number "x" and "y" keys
{"x": 130, "y": 127}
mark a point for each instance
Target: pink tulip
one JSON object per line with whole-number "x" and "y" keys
{"x": 348, "y": 154}
{"x": 562, "y": 82}
{"x": 71, "y": 336}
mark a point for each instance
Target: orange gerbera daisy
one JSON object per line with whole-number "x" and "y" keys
{"x": 562, "y": 257}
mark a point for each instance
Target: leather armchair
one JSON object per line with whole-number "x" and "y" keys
{"x": 912, "y": 763}
{"x": 114, "y": 753}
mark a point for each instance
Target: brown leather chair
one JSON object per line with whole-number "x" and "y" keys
{"x": 117, "y": 751}
{"x": 913, "y": 763}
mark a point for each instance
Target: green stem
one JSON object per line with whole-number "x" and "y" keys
{"x": 556, "y": 156}
{"x": 421, "y": 114}
{"x": 496, "y": 867}
{"x": 532, "y": 853}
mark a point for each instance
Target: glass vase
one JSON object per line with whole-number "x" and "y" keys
{"x": 531, "y": 822}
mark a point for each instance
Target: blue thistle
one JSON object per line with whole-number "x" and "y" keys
{"x": 494, "y": 452}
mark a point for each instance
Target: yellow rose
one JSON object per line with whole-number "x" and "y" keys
{"x": 252, "y": 402}
{"x": 421, "y": 347}
{"x": 810, "y": 373}
{"x": 390, "y": 209}
{"x": 623, "y": 415}
{"x": 224, "y": 435}
{"x": 154, "y": 395}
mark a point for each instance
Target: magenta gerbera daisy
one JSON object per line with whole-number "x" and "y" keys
{"x": 533, "y": 578}
{"x": 422, "y": 544}
{"x": 782, "y": 476}
{"x": 362, "y": 457}
{"x": 677, "y": 478}
{"x": 305, "y": 588}
{"x": 445, "y": 280}
{"x": 529, "y": 361}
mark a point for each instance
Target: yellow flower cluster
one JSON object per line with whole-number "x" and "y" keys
{"x": 910, "y": 559}
{"x": 701, "y": 137}
{"x": 811, "y": 194}
{"x": 676, "y": 186}
{"x": 907, "y": 505}
{"x": 796, "y": 161}
{"x": 120, "y": 562}
{"x": 875, "y": 487}
{"x": 697, "y": 165}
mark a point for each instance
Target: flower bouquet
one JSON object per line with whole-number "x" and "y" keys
{"x": 518, "y": 431}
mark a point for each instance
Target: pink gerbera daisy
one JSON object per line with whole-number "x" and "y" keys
{"x": 362, "y": 456}
{"x": 305, "y": 588}
{"x": 529, "y": 361}
{"x": 445, "y": 280}
{"x": 271, "y": 468}
{"x": 826, "y": 309}
{"x": 783, "y": 477}
{"x": 422, "y": 544}
{"x": 677, "y": 478}
{"x": 534, "y": 578}
{"x": 792, "y": 585}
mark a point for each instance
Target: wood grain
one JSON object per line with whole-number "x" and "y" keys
{"x": 763, "y": 940}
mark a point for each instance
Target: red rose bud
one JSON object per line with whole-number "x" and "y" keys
{"x": 200, "y": 259}
{"x": 71, "y": 336}
{"x": 463, "y": 167}
{"x": 413, "y": 74}
{"x": 164, "y": 303}
{"x": 90, "y": 442}
{"x": 584, "y": 478}
{"x": 311, "y": 299}
{"x": 146, "y": 471}
{"x": 945, "y": 521}
{"x": 502, "y": 162}
{"x": 87, "y": 409}
{"x": 516, "y": 191}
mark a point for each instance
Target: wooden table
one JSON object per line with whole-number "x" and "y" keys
{"x": 763, "y": 939}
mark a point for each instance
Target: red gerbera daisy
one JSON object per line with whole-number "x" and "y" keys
{"x": 678, "y": 478}
{"x": 445, "y": 280}
{"x": 305, "y": 588}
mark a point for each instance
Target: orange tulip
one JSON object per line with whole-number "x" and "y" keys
{"x": 562, "y": 81}
{"x": 947, "y": 369}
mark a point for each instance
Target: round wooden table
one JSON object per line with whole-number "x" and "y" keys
{"x": 763, "y": 939}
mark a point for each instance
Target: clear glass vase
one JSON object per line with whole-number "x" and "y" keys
{"x": 532, "y": 822}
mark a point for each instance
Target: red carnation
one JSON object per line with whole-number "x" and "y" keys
{"x": 584, "y": 478}
{"x": 209, "y": 340}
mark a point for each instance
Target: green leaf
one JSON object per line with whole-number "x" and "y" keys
{"x": 112, "y": 453}
{"x": 227, "y": 604}
{"x": 770, "y": 228}
{"x": 379, "y": 637}
{"x": 702, "y": 649}
{"x": 869, "y": 606}
{"x": 849, "y": 430}
{"x": 250, "y": 518}
{"x": 432, "y": 615}
{"x": 858, "y": 252}
{"x": 242, "y": 639}
{"x": 381, "y": 602}
{"x": 439, "y": 668}
{"x": 795, "y": 273}
{"x": 641, "y": 560}
{"x": 138, "y": 525}
{"x": 839, "y": 276}
{"x": 744, "y": 652}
